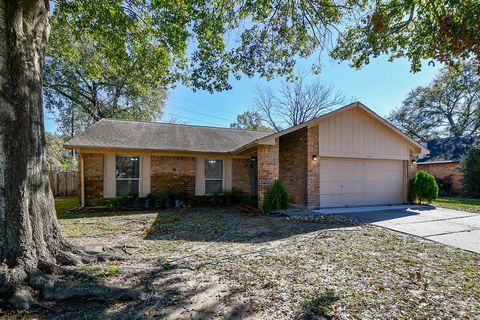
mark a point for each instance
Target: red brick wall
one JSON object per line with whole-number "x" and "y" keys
{"x": 293, "y": 165}
{"x": 313, "y": 168}
{"x": 173, "y": 174}
{"x": 441, "y": 170}
{"x": 93, "y": 178}
{"x": 267, "y": 169}
{"x": 241, "y": 175}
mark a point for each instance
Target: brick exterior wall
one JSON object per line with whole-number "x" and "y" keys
{"x": 411, "y": 170}
{"x": 441, "y": 170}
{"x": 93, "y": 175}
{"x": 313, "y": 168}
{"x": 241, "y": 175}
{"x": 267, "y": 169}
{"x": 293, "y": 165}
{"x": 173, "y": 174}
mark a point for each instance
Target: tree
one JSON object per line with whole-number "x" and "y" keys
{"x": 83, "y": 82}
{"x": 471, "y": 173}
{"x": 296, "y": 102}
{"x": 187, "y": 41}
{"x": 127, "y": 34}
{"x": 57, "y": 158}
{"x": 249, "y": 120}
{"x": 449, "y": 106}
{"x": 441, "y": 30}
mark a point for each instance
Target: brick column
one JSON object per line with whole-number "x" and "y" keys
{"x": 267, "y": 169}
{"x": 93, "y": 171}
{"x": 313, "y": 168}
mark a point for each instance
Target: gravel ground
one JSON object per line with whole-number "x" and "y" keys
{"x": 229, "y": 264}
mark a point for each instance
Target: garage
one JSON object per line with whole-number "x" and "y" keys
{"x": 357, "y": 182}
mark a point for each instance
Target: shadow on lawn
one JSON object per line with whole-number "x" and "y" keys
{"x": 170, "y": 294}
{"x": 228, "y": 225}
{"x": 322, "y": 307}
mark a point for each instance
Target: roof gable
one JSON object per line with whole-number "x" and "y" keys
{"x": 413, "y": 143}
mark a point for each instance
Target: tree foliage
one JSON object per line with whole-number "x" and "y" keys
{"x": 423, "y": 188}
{"x": 442, "y": 30}
{"x": 449, "y": 106}
{"x": 296, "y": 102}
{"x": 57, "y": 158}
{"x": 471, "y": 171}
{"x": 250, "y": 120}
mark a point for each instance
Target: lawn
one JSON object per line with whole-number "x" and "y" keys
{"x": 227, "y": 264}
{"x": 62, "y": 205}
{"x": 464, "y": 204}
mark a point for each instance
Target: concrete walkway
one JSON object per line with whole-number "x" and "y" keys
{"x": 451, "y": 227}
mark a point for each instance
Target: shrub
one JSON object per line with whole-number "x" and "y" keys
{"x": 114, "y": 203}
{"x": 423, "y": 187}
{"x": 445, "y": 185}
{"x": 275, "y": 198}
{"x": 471, "y": 173}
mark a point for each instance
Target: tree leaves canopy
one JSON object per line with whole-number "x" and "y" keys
{"x": 250, "y": 120}
{"x": 449, "y": 106}
{"x": 442, "y": 30}
{"x": 201, "y": 43}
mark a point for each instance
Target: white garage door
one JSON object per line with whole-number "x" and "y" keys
{"x": 357, "y": 182}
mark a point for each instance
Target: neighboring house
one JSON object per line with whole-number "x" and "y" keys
{"x": 445, "y": 156}
{"x": 348, "y": 157}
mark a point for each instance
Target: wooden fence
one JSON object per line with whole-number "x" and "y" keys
{"x": 63, "y": 183}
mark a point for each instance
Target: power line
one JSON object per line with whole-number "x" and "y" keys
{"x": 198, "y": 112}
{"x": 191, "y": 119}
{"x": 207, "y": 105}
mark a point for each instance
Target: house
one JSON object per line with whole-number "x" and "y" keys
{"x": 348, "y": 157}
{"x": 445, "y": 156}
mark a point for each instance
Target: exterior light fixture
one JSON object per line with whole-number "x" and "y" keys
{"x": 314, "y": 157}
{"x": 253, "y": 159}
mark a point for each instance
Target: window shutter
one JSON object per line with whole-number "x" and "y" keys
{"x": 109, "y": 186}
{"x": 145, "y": 176}
{"x": 200, "y": 177}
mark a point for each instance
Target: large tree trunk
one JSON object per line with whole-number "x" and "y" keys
{"x": 29, "y": 232}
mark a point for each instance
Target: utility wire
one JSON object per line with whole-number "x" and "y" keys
{"x": 197, "y": 112}
{"x": 224, "y": 109}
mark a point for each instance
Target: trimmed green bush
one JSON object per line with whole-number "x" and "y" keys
{"x": 471, "y": 173}
{"x": 423, "y": 188}
{"x": 275, "y": 198}
{"x": 114, "y": 203}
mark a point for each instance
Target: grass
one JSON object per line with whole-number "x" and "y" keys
{"x": 62, "y": 205}
{"x": 272, "y": 267}
{"x": 463, "y": 204}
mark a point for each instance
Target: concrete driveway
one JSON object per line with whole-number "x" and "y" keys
{"x": 451, "y": 227}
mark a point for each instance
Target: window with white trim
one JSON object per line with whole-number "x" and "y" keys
{"x": 127, "y": 175}
{"x": 213, "y": 176}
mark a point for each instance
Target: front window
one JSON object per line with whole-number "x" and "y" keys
{"x": 213, "y": 176}
{"x": 127, "y": 174}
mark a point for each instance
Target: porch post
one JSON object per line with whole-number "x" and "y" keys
{"x": 267, "y": 158}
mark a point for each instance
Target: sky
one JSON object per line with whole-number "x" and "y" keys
{"x": 380, "y": 85}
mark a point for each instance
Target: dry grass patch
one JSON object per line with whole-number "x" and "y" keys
{"x": 225, "y": 263}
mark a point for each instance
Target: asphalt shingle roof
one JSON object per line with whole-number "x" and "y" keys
{"x": 449, "y": 149}
{"x": 109, "y": 133}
